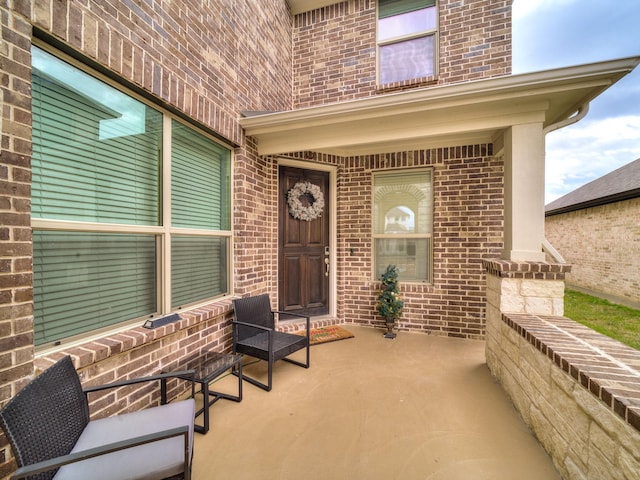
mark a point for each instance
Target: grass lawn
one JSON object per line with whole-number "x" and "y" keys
{"x": 615, "y": 321}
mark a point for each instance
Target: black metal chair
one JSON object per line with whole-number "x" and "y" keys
{"x": 254, "y": 334}
{"x": 47, "y": 424}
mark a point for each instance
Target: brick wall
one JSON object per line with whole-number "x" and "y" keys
{"x": 255, "y": 222}
{"x": 603, "y": 245}
{"x": 166, "y": 49}
{"x": 468, "y": 216}
{"x": 16, "y": 308}
{"x": 139, "y": 352}
{"x": 475, "y": 39}
{"x": 334, "y": 53}
{"x": 202, "y": 60}
{"x": 467, "y": 228}
{"x": 335, "y": 48}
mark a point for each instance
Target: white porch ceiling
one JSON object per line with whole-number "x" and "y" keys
{"x": 458, "y": 114}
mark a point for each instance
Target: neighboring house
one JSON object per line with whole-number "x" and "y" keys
{"x": 596, "y": 228}
{"x": 398, "y": 220}
{"x": 148, "y": 150}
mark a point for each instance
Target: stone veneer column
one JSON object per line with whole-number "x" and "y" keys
{"x": 535, "y": 288}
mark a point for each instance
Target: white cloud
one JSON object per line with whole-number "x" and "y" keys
{"x": 559, "y": 33}
{"x": 524, "y": 8}
{"x": 588, "y": 150}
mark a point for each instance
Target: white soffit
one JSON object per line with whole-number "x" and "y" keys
{"x": 299, "y": 6}
{"x": 449, "y": 115}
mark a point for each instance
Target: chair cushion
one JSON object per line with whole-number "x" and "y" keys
{"x": 155, "y": 460}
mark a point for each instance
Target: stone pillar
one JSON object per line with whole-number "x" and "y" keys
{"x": 535, "y": 288}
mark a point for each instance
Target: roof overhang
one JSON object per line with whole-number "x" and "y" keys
{"x": 299, "y": 6}
{"x": 458, "y": 114}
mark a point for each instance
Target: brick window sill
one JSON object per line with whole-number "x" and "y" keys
{"x": 407, "y": 84}
{"x": 607, "y": 368}
{"x": 97, "y": 349}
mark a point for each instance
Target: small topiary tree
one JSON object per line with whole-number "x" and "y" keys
{"x": 389, "y": 303}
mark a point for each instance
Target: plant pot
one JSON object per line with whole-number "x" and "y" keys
{"x": 390, "y": 325}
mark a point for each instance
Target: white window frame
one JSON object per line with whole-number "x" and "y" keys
{"x": 426, "y": 236}
{"x": 434, "y": 32}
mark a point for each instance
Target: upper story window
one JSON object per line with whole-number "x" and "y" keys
{"x": 131, "y": 207}
{"x": 407, "y": 40}
{"x": 403, "y": 223}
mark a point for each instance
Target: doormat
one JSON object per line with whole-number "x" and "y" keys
{"x": 326, "y": 334}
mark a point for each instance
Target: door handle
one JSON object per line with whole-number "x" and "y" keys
{"x": 326, "y": 260}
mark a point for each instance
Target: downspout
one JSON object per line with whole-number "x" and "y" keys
{"x": 582, "y": 112}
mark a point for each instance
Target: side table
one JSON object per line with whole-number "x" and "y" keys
{"x": 208, "y": 366}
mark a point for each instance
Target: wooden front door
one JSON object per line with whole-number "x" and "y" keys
{"x": 303, "y": 247}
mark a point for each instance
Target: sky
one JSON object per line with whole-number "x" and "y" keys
{"x": 561, "y": 33}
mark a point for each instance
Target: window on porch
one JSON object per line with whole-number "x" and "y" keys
{"x": 402, "y": 223}
{"x": 130, "y": 207}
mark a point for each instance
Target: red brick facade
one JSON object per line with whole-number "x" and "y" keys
{"x": 16, "y": 297}
{"x": 335, "y": 49}
{"x": 211, "y": 64}
{"x": 467, "y": 227}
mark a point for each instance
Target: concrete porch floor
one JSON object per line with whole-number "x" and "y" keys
{"x": 417, "y": 407}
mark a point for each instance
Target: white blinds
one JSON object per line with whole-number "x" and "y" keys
{"x": 198, "y": 268}
{"x": 199, "y": 179}
{"x": 388, "y": 8}
{"x": 81, "y": 174}
{"x": 98, "y": 167}
{"x": 86, "y": 281}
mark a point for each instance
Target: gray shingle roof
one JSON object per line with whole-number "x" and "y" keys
{"x": 621, "y": 184}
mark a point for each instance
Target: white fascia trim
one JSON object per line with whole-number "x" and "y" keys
{"x": 598, "y": 76}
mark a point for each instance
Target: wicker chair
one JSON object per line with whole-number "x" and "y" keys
{"x": 47, "y": 424}
{"x": 254, "y": 334}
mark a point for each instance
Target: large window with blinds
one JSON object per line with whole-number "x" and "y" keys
{"x": 403, "y": 223}
{"x": 407, "y": 39}
{"x": 130, "y": 207}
